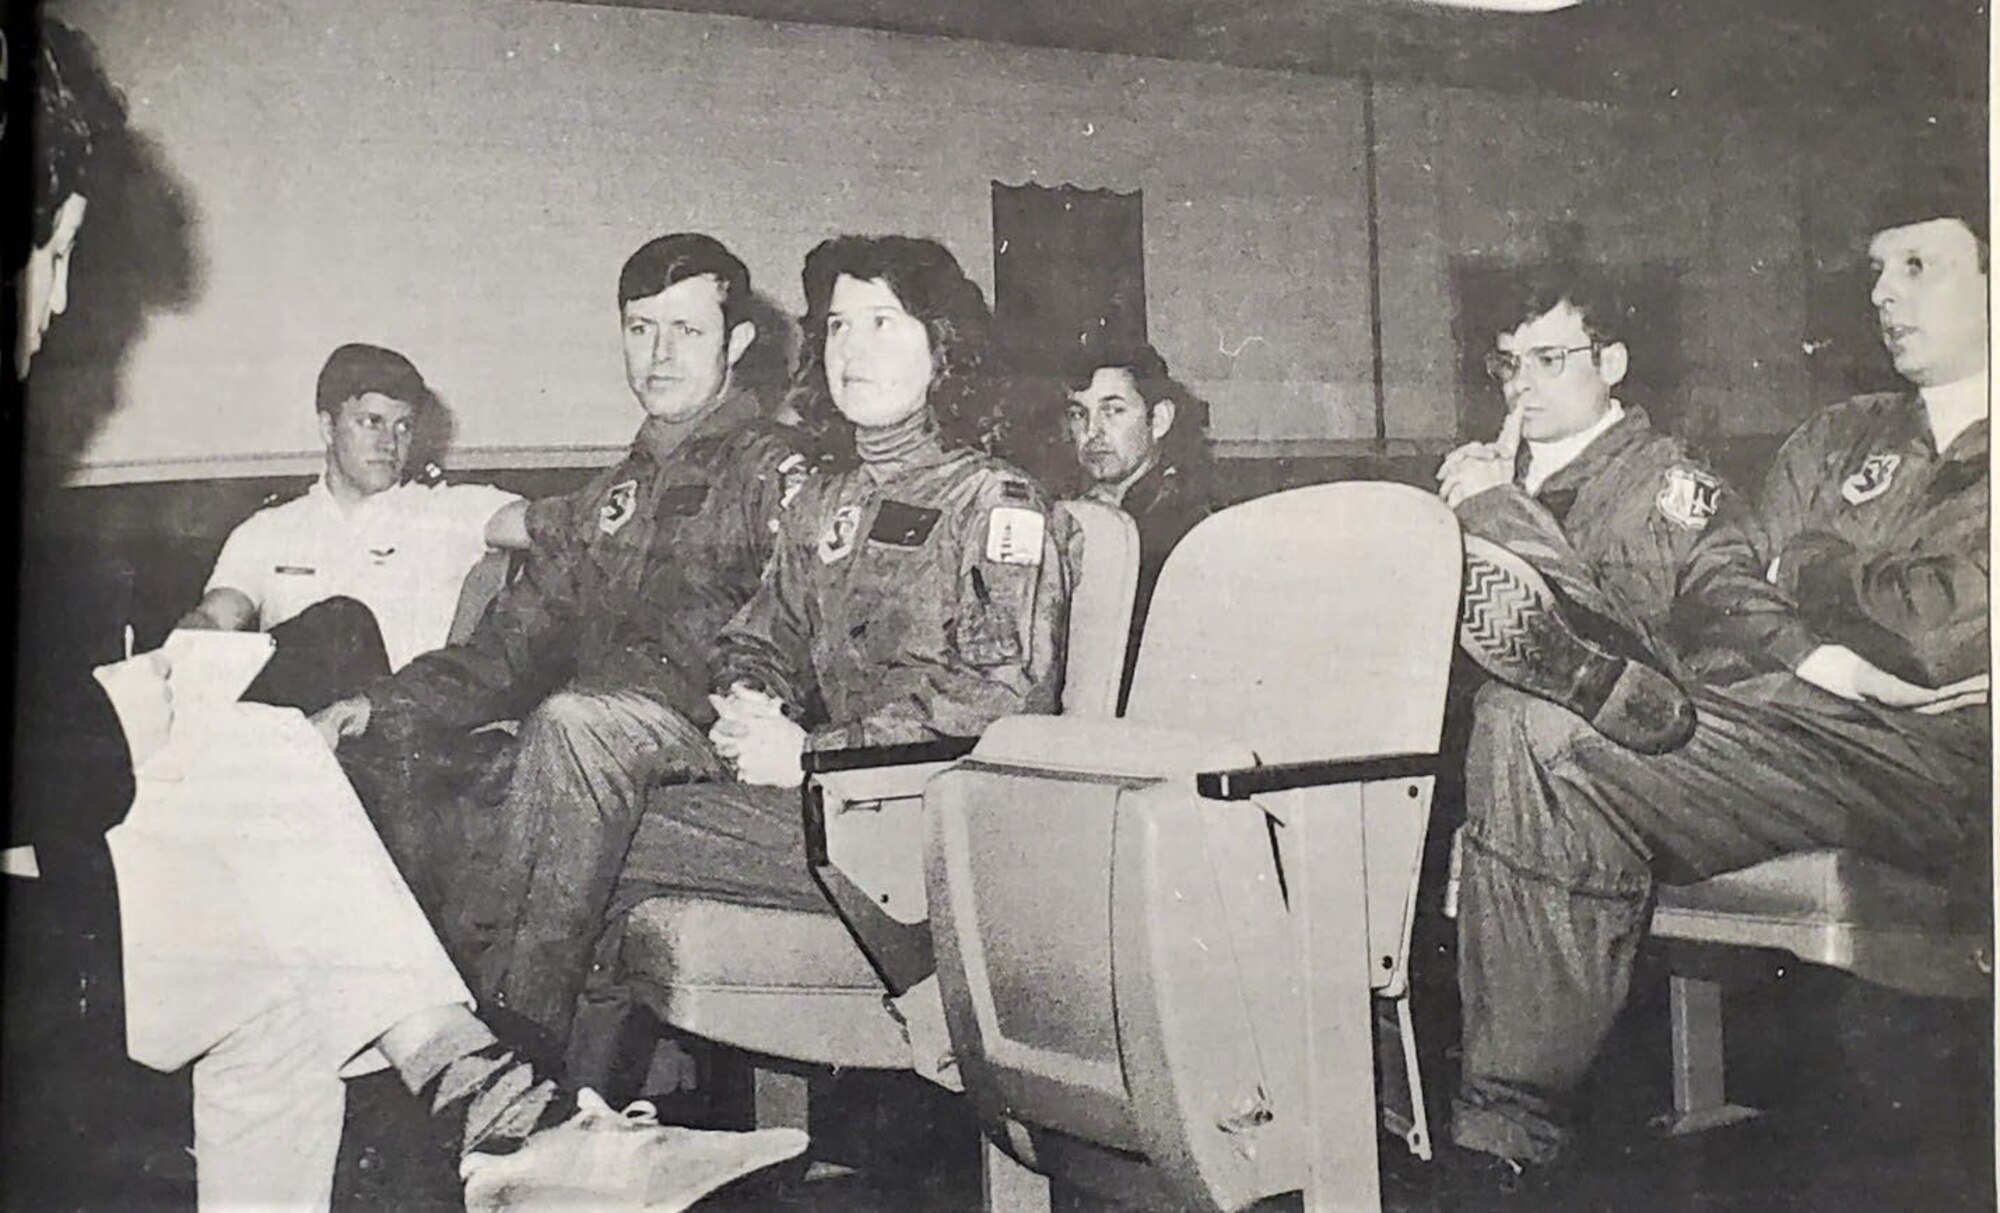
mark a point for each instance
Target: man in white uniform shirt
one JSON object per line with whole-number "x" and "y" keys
{"x": 363, "y": 571}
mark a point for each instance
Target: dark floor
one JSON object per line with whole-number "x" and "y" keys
{"x": 1875, "y": 1102}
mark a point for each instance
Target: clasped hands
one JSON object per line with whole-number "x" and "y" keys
{"x": 1478, "y": 466}
{"x": 753, "y": 733}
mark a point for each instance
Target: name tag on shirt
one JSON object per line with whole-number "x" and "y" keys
{"x": 901, "y": 525}
{"x": 683, "y": 500}
{"x": 1014, "y": 535}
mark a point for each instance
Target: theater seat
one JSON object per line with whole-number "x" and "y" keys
{"x": 1161, "y": 940}
{"x": 1833, "y": 908}
{"x": 795, "y": 985}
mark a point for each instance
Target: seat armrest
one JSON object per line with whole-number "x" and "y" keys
{"x": 1243, "y": 782}
{"x": 1104, "y": 748}
{"x": 864, "y": 784}
{"x": 940, "y": 749}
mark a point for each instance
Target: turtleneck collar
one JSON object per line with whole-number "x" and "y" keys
{"x": 1951, "y": 408}
{"x": 891, "y": 449}
{"x": 1545, "y": 459}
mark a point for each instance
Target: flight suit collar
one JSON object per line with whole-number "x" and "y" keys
{"x": 1155, "y": 483}
{"x": 659, "y": 441}
{"x": 1628, "y": 431}
{"x": 1912, "y": 428}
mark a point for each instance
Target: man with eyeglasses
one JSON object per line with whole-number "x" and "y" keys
{"x": 1841, "y": 637}
{"x": 1579, "y": 518}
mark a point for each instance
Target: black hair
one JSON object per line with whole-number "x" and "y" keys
{"x": 60, "y": 111}
{"x": 1597, "y": 301}
{"x": 1183, "y": 445}
{"x": 356, "y": 370}
{"x": 1938, "y": 192}
{"x": 661, "y": 262}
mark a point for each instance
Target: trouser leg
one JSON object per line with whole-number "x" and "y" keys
{"x": 267, "y": 1115}
{"x": 329, "y": 651}
{"x": 729, "y": 841}
{"x": 526, "y": 920}
{"x": 1566, "y": 830}
{"x": 256, "y": 879}
{"x": 411, "y": 775}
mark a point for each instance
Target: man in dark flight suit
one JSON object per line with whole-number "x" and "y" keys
{"x": 1842, "y": 629}
{"x": 604, "y": 643}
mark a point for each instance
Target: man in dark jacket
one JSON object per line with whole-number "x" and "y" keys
{"x": 1854, "y": 598}
{"x": 1138, "y": 440}
{"x": 603, "y": 643}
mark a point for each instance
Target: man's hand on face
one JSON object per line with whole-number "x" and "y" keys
{"x": 342, "y": 719}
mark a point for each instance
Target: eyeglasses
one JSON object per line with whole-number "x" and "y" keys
{"x": 1548, "y": 359}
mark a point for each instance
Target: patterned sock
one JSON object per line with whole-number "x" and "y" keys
{"x": 500, "y": 1096}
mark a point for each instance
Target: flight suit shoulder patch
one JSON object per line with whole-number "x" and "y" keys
{"x": 902, "y": 525}
{"x": 616, "y": 509}
{"x": 1871, "y": 479}
{"x": 836, "y": 540}
{"x": 1014, "y": 535}
{"x": 1689, "y": 498}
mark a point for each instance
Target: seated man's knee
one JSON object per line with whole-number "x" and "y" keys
{"x": 568, "y": 711}
{"x": 1511, "y": 721}
{"x": 349, "y": 616}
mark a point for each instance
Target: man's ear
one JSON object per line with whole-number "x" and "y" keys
{"x": 326, "y": 421}
{"x": 1611, "y": 364}
{"x": 740, "y": 338}
{"x": 1163, "y": 419}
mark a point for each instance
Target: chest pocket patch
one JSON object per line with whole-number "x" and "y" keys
{"x": 682, "y": 501}
{"x": 902, "y": 525}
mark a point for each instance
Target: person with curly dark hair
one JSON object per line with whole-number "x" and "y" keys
{"x": 74, "y": 110}
{"x": 928, "y": 283}
{"x": 917, "y": 593}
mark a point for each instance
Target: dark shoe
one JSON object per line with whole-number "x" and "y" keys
{"x": 1514, "y": 626}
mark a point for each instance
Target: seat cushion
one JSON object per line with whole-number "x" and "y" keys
{"x": 1815, "y": 886}
{"x": 781, "y": 982}
{"x": 1834, "y": 908}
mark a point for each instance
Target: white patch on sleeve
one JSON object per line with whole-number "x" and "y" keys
{"x": 1689, "y": 498}
{"x": 1014, "y": 535}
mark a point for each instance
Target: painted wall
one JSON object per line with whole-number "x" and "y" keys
{"x": 460, "y": 179}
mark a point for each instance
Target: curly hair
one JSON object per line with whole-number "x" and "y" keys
{"x": 60, "y": 109}
{"x": 931, "y": 286}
